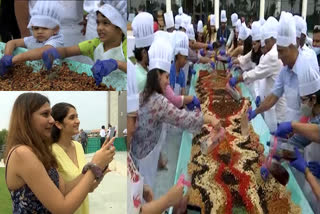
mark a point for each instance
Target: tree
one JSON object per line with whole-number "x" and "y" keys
{"x": 3, "y": 136}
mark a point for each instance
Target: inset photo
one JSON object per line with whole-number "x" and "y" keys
{"x": 63, "y": 152}
{"x": 63, "y": 45}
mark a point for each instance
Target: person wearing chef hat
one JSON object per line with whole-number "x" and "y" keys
{"x": 199, "y": 36}
{"x": 45, "y": 27}
{"x": 209, "y": 31}
{"x": 186, "y": 20}
{"x": 155, "y": 109}
{"x": 223, "y": 32}
{"x": 245, "y": 39}
{"x": 266, "y": 71}
{"x": 177, "y": 21}
{"x": 177, "y": 75}
{"x": 295, "y": 63}
{"x": 234, "y": 19}
{"x": 137, "y": 189}
{"x": 309, "y": 91}
{"x": 169, "y": 22}
{"x": 235, "y": 49}
{"x": 107, "y": 50}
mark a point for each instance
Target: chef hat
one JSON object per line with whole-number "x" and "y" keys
{"x": 244, "y": 32}
{"x": 223, "y": 16}
{"x": 269, "y": 29}
{"x": 160, "y": 55}
{"x": 234, "y": 19}
{"x": 132, "y": 88}
{"x": 168, "y": 18}
{"x": 309, "y": 81}
{"x": 286, "y": 30}
{"x": 116, "y": 14}
{"x": 142, "y": 26}
{"x": 304, "y": 27}
{"x": 256, "y": 31}
{"x": 262, "y": 21}
{"x": 177, "y": 22}
{"x": 190, "y": 32}
{"x": 185, "y": 21}
{"x": 180, "y": 10}
{"x": 238, "y": 25}
{"x": 181, "y": 43}
{"x": 200, "y": 27}
{"x": 262, "y": 43}
{"x": 212, "y": 19}
{"x": 46, "y": 14}
{"x": 298, "y": 25}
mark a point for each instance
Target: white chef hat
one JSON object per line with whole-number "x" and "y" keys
{"x": 142, "y": 27}
{"x": 244, "y": 32}
{"x": 234, "y": 19}
{"x": 185, "y": 21}
{"x": 190, "y": 32}
{"x": 132, "y": 89}
{"x": 286, "y": 30}
{"x": 309, "y": 81}
{"x": 223, "y": 16}
{"x": 160, "y": 55}
{"x": 168, "y": 18}
{"x": 238, "y": 25}
{"x": 168, "y": 37}
{"x": 269, "y": 29}
{"x": 298, "y": 25}
{"x": 46, "y": 14}
{"x": 116, "y": 14}
{"x": 262, "y": 21}
{"x": 304, "y": 27}
{"x": 200, "y": 27}
{"x": 178, "y": 20}
{"x": 256, "y": 31}
{"x": 181, "y": 43}
{"x": 180, "y": 10}
{"x": 212, "y": 20}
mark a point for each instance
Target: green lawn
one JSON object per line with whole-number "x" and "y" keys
{"x": 5, "y": 205}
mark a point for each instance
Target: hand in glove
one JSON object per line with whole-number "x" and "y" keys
{"x": 221, "y": 40}
{"x": 229, "y": 65}
{"x": 283, "y": 129}
{"x": 193, "y": 71}
{"x": 202, "y": 52}
{"x": 222, "y": 52}
{"x": 258, "y": 101}
{"x": 210, "y": 47}
{"x": 48, "y": 56}
{"x": 233, "y": 82}
{"x": 5, "y": 64}
{"x": 213, "y": 65}
{"x": 264, "y": 172}
{"x": 314, "y": 168}
{"x": 251, "y": 114}
{"x": 103, "y": 68}
{"x": 300, "y": 164}
{"x": 194, "y": 103}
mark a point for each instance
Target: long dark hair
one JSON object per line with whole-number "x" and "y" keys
{"x": 138, "y": 52}
{"x": 255, "y": 56}
{"x": 21, "y": 131}
{"x": 235, "y": 40}
{"x": 152, "y": 84}
{"x": 247, "y": 45}
{"x": 59, "y": 112}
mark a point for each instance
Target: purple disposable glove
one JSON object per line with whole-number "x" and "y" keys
{"x": 258, "y": 101}
{"x": 5, "y": 64}
{"x": 251, "y": 114}
{"x": 233, "y": 82}
{"x": 202, "y": 52}
{"x": 264, "y": 172}
{"x": 48, "y": 56}
{"x": 300, "y": 164}
{"x": 283, "y": 129}
{"x": 103, "y": 68}
{"x": 210, "y": 47}
{"x": 213, "y": 65}
{"x": 314, "y": 168}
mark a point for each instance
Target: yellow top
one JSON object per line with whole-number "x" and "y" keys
{"x": 69, "y": 171}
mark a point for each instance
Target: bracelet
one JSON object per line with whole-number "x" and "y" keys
{"x": 95, "y": 170}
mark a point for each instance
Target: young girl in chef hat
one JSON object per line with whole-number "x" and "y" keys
{"x": 44, "y": 25}
{"x": 109, "y": 50}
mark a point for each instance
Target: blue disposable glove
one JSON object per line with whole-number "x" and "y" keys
{"x": 196, "y": 102}
{"x": 233, "y": 82}
{"x": 202, "y": 52}
{"x": 229, "y": 65}
{"x": 210, "y": 47}
{"x": 314, "y": 168}
{"x": 264, "y": 172}
{"x": 48, "y": 56}
{"x": 103, "y": 68}
{"x": 5, "y": 64}
{"x": 300, "y": 164}
{"x": 221, "y": 40}
{"x": 193, "y": 71}
{"x": 229, "y": 59}
{"x": 222, "y": 52}
{"x": 283, "y": 129}
{"x": 251, "y": 114}
{"x": 213, "y": 65}
{"x": 258, "y": 101}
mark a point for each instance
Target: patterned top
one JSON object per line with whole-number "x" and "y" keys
{"x": 55, "y": 41}
{"x": 151, "y": 115}
{"x": 24, "y": 200}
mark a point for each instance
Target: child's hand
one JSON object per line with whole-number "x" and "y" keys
{"x": 103, "y": 68}
{"x": 48, "y": 56}
{"x": 5, "y": 64}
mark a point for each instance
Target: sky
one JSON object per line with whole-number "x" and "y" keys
{"x": 91, "y": 106}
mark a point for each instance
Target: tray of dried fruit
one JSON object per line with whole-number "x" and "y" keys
{"x": 65, "y": 75}
{"x": 227, "y": 180}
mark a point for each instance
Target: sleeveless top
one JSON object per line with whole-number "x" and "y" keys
{"x": 24, "y": 200}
